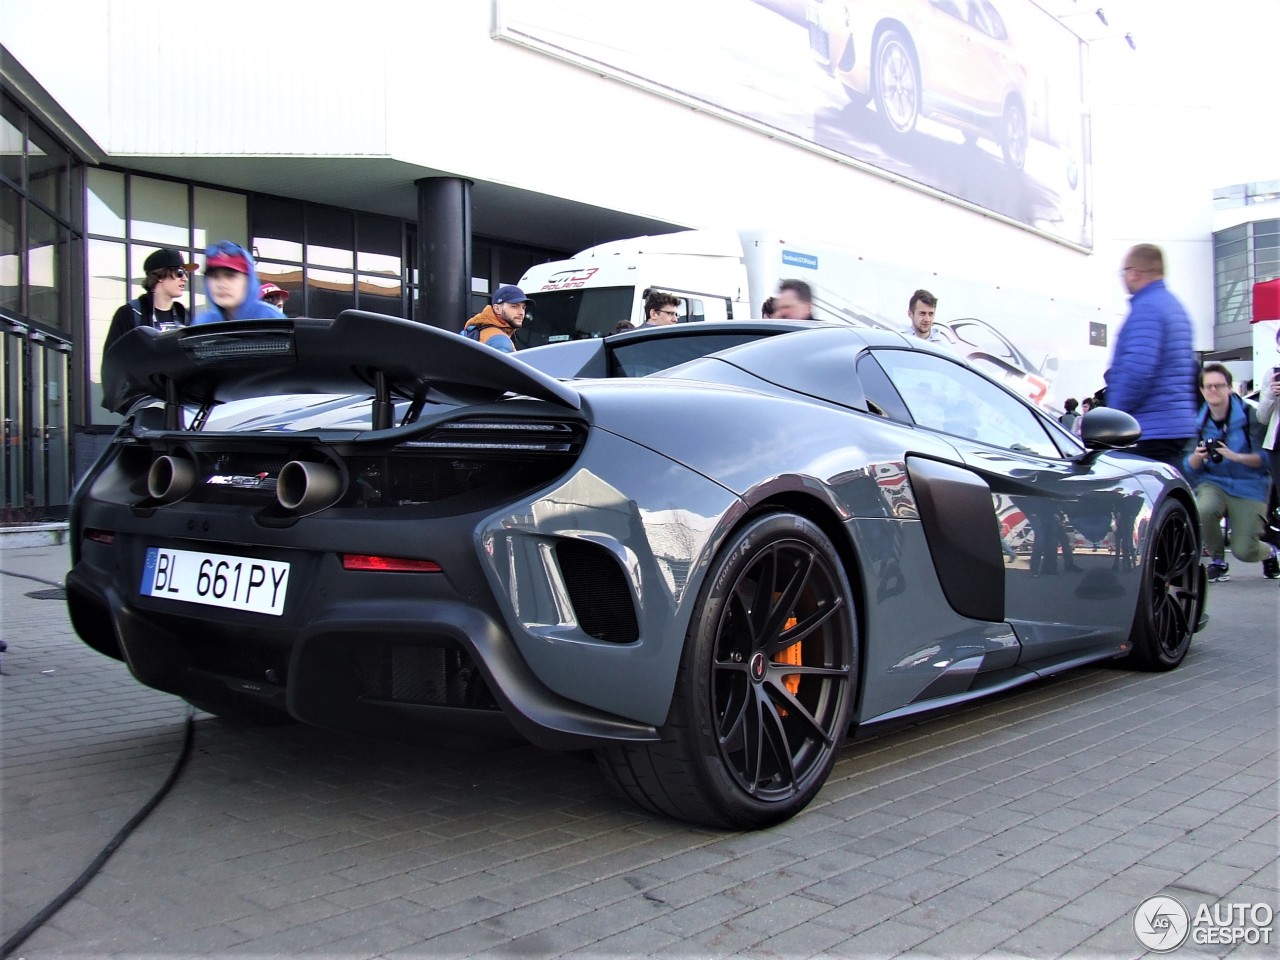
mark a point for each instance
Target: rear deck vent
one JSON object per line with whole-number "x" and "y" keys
{"x": 598, "y": 590}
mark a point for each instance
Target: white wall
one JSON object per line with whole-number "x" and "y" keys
{"x": 423, "y": 81}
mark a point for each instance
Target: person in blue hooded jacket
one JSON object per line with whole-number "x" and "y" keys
{"x": 1225, "y": 463}
{"x": 231, "y": 284}
{"x": 1154, "y": 370}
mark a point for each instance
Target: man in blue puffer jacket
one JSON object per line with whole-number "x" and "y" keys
{"x": 1154, "y": 370}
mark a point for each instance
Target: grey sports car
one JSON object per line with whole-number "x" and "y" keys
{"x": 708, "y": 552}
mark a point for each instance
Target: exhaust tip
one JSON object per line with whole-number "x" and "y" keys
{"x": 307, "y": 487}
{"x": 170, "y": 478}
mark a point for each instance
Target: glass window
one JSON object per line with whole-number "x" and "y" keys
{"x": 109, "y": 290}
{"x": 330, "y": 238}
{"x": 12, "y": 142}
{"x": 159, "y": 212}
{"x": 47, "y": 168}
{"x": 277, "y": 229}
{"x": 220, "y": 215}
{"x": 946, "y": 396}
{"x": 574, "y": 315}
{"x": 104, "y": 210}
{"x": 287, "y": 277}
{"x": 379, "y": 246}
{"x": 10, "y": 250}
{"x": 380, "y": 295}
{"x": 329, "y": 293}
{"x": 47, "y": 243}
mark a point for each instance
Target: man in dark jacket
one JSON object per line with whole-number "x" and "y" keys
{"x": 1154, "y": 370}
{"x": 164, "y": 283}
{"x": 496, "y": 324}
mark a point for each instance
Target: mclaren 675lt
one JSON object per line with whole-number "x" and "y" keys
{"x": 710, "y": 553}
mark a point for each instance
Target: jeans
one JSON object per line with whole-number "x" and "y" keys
{"x": 1245, "y": 517}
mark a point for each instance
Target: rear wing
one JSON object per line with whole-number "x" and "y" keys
{"x": 356, "y": 353}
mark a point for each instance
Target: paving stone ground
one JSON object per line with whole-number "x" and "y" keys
{"x": 1032, "y": 825}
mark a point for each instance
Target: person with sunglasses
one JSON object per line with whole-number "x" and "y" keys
{"x": 164, "y": 283}
{"x": 232, "y": 286}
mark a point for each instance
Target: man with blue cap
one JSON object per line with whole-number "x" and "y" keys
{"x": 496, "y": 324}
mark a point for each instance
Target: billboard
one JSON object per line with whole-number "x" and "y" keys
{"x": 978, "y": 101}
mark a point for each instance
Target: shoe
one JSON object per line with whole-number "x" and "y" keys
{"x": 1219, "y": 572}
{"x": 1271, "y": 568}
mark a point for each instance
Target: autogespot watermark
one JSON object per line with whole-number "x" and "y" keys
{"x": 1162, "y": 924}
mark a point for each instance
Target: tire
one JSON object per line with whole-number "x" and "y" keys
{"x": 897, "y": 82}
{"x": 1014, "y": 135}
{"x": 1171, "y": 595}
{"x": 750, "y": 739}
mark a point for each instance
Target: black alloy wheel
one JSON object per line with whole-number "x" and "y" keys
{"x": 1170, "y": 599}
{"x": 765, "y": 688}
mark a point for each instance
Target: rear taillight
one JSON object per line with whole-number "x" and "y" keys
{"x": 365, "y": 561}
{"x": 107, "y": 537}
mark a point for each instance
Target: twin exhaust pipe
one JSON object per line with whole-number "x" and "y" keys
{"x": 301, "y": 487}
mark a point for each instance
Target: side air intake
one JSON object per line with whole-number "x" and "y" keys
{"x": 598, "y": 591}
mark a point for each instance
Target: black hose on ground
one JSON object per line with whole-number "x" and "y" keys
{"x": 62, "y": 899}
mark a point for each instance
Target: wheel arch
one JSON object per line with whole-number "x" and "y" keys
{"x": 887, "y": 25}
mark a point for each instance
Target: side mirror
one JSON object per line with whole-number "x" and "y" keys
{"x": 1105, "y": 428}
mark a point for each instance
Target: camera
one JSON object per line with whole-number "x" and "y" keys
{"x": 1211, "y": 445}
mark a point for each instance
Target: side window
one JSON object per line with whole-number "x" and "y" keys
{"x": 652, "y": 354}
{"x": 882, "y": 397}
{"x": 943, "y": 395}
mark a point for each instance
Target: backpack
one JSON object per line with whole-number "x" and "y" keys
{"x": 1068, "y": 420}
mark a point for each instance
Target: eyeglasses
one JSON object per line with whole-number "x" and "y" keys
{"x": 179, "y": 273}
{"x": 1215, "y": 386}
{"x": 670, "y": 313}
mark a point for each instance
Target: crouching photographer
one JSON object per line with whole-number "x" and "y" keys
{"x": 1225, "y": 464}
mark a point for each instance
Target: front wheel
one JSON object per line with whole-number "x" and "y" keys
{"x": 1169, "y": 600}
{"x": 765, "y": 687}
{"x": 1014, "y": 136}
{"x": 897, "y": 83}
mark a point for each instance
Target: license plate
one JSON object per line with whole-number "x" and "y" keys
{"x": 216, "y": 580}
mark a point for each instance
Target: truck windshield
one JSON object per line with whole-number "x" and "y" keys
{"x": 574, "y": 315}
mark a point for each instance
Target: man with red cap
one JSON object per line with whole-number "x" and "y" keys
{"x": 276, "y": 296}
{"x": 231, "y": 284}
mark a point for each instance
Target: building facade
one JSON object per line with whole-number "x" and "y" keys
{"x": 1246, "y": 251}
{"x": 407, "y": 157}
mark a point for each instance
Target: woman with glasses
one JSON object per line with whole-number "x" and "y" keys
{"x": 164, "y": 284}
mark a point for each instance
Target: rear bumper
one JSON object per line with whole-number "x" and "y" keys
{"x": 396, "y": 666}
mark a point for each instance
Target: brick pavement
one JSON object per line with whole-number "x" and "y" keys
{"x": 1027, "y": 826}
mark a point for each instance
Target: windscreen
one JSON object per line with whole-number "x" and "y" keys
{"x": 574, "y": 315}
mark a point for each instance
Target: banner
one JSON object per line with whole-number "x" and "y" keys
{"x": 979, "y": 101}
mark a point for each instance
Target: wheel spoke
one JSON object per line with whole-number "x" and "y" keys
{"x": 782, "y": 607}
{"x": 773, "y": 735}
{"x": 733, "y": 681}
{"x": 803, "y": 628}
{"x": 800, "y": 710}
{"x": 766, "y": 570}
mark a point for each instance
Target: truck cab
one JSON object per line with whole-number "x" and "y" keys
{"x": 593, "y": 292}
